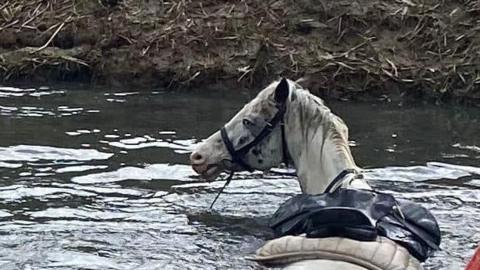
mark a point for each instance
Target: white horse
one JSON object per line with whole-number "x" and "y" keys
{"x": 287, "y": 123}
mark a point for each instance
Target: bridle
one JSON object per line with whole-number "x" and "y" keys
{"x": 239, "y": 154}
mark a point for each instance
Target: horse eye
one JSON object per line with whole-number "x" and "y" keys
{"x": 242, "y": 140}
{"x": 247, "y": 123}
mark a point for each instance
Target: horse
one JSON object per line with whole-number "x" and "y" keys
{"x": 286, "y": 123}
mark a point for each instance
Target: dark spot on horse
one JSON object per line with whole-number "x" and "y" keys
{"x": 260, "y": 161}
{"x": 256, "y": 152}
{"x": 219, "y": 140}
{"x": 242, "y": 140}
{"x": 265, "y": 110}
{"x": 293, "y": 96}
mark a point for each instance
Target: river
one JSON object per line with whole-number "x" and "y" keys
{"x": 99, "y": 178}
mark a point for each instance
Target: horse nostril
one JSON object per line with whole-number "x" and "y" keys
{"x": 196, "y": 158}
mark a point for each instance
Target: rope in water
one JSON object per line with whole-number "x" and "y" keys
{"x": 229, "y": 178}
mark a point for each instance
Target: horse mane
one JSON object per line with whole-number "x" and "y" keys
{"x": 315, "y": 113}
{"x": 334, "y": 128}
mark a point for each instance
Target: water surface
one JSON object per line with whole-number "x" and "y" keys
{"x": 99, "y": 178}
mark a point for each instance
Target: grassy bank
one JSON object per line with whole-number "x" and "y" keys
{"x": 421, "y": 48}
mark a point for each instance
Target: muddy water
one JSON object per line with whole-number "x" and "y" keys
{"x": 99, "y": 179}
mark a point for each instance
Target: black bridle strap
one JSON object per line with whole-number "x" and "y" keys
{"x": 265, "y": 131}
{"x": 236, "y": 158}
{"x": 340, "y": 177}
{"x": 223, "y": 188}
{"x": 237, "y": 155}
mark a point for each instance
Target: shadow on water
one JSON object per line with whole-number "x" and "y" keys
{"x": 99, "y": 178}
{"x": 257, "y": 227}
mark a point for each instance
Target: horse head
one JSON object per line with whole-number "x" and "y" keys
{"x": 252, "y": 139}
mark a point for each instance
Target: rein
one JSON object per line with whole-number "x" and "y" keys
{"x": 238, "y": 155}
{"x": 229, "y": 178}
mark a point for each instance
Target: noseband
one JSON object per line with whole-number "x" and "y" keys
{"x": 239, "y": 154}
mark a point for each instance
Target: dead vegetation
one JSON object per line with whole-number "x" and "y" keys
{"x": 344, "y": 48}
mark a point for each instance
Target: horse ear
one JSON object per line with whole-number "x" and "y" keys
{"x": 282, "y": 91}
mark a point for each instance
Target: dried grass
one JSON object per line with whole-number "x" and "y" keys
{"x": 344, "y": 48}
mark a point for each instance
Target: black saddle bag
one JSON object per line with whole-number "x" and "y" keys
{"x": 362, "y": 215}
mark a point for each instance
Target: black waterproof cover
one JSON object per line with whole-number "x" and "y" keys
{"x": 360, "y": 215}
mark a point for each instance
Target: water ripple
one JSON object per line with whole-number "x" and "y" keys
{"x": 149, "y": 172}
{"x": 180, "y": 146}
{"x": 6, "y": 92}
{"x": 15, "y": 193}
{"x": 34, "y": 153}
{"x": 98, "y": 179}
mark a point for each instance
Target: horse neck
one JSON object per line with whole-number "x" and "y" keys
{"x": 317, "y": 143}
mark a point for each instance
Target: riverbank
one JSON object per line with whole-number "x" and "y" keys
{"x": 345, "y": 49}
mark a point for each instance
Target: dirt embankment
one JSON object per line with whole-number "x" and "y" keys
{"x": 345, "y": 48}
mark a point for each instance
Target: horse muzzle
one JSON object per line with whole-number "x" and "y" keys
{"x": 208, "y": 172}
{"x": 203, "y": 168}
